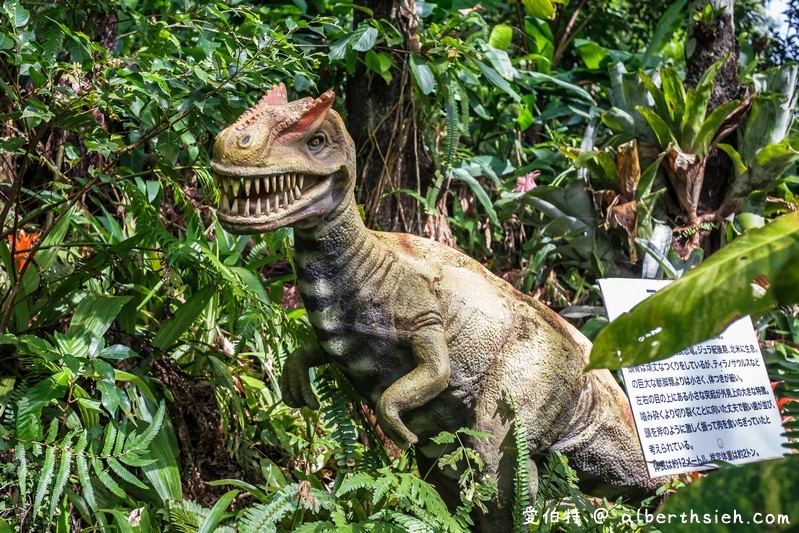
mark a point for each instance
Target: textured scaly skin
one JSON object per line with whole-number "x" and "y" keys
{"x": 429, "y": 337}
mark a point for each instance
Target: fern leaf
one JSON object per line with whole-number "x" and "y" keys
{"x": 186, "y": 516}
{"x": 381, "y": 487}
{"x": 139, "y": 443}
{"x": 411, "y": 524}
{"x": 521, "y": 479}
{"x": 85, "y": 481}
{"x": 61, "y": 478}
{"x": 106, "y": 478}
{"x": 52, "y": 432}
{"x": 358, "y": 480}
{"x": 125, "y": 474}
{"x": 52, "y": 38}
{"x": 22, "y": 470}
{"x": 451, "y": 141}
{"x": 45, "y": 477}
{"x": 133, "y": 459}
{"x": 121, "y": 434}
{"x": 262, "y": 518}
{"x": 108, "y": 440}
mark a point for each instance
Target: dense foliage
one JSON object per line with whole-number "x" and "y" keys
{"x": 140, "y": 344}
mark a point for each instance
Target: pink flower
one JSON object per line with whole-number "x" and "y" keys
{"x": 527, "y": 182}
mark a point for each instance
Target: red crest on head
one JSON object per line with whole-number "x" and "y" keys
{"x": 276, "y": 96}
{"x": 315, "y": 113}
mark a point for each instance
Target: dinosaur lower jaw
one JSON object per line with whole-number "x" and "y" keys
{"x": 250, "y": 202}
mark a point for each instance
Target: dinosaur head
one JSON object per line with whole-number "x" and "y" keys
{"x": 282, "y": 163}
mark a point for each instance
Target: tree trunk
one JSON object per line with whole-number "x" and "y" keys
{"x": 383, "y": 122}
{"x": 709, "y": 39}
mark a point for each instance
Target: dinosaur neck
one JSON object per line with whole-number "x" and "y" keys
{"x": 336, "y": 257}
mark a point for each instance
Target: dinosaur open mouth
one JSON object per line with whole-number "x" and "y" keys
{"x": 259, "y": 196}
{"x": 258, "y": 199}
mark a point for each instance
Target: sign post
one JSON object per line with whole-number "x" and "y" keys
{"x": 710, "y": 402}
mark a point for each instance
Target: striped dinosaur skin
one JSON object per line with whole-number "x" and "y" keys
{"x": 431, "y": 339}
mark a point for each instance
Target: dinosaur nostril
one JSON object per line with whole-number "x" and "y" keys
{"x": 246, "y": 139}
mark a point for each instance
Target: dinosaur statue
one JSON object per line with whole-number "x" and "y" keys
{"x": 431, "y": 339}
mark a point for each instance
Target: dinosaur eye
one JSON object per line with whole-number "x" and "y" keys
{"x": 317, "y": 141}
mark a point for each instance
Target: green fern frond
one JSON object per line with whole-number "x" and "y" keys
{"x": 110, "y": 435}
{"x": 521, "y": 479}
{"x": 409, "y": 523}
{"x": 451, "y": 141}
{"x": 263, "y": 518}
{"x": 22, "y": 470}
{"x": 52, "y": 431}
{"x": 106, "y": 478}
{"x": 62, "y": 477}
{"x": 186, "y": 516}
{"x": 45, "y": 477}
{"x": 124, "y": 473}
{"x": 355, "y": 482}
{"x": 138, "y": 444}
{"x": 336, "y": 413}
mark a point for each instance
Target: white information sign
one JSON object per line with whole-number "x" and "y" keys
{"x": 710, "y": 402}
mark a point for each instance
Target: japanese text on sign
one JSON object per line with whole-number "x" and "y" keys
{"x": 710, "y": 402}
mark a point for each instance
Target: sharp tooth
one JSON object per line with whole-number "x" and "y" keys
{"x": 222, "y": 201}
{"x": 285, "y": 199}
{"x": 257, "y": 204}
{"x": 291, "y": 195}
{"x": 247, "y": 186}
{"x": 301, "y": 180}
{"x": 234, "y": 206}
{"x": 235, "y": 188}
{"x": 276, "y": 203}
{"x": 247, "y": 207}
{"x": 293, "y": 181}
{"x": 282, "y": 181}
{"x": 297, "y": 192}
{"x": 267, "y": 206}
{"x": 274, "y": 183}
{"x": 257, "y": 186}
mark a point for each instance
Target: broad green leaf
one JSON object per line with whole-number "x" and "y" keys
{"x": 669, "y": 22}
{"x": 591, "y": 53}
{"x": 764, "y": 490}
{"x": 543, "y": 9}
{"x": 770, "y": 163}
{"x": 501, "y": 36}
{"x": 17, "y": 14}
{"x": 710, "y": 127}
{"x": 501, "y": 62}
{"x": 662, "y": 108}
{"x": 30, "y": 406}
{"x": 171, "y": 331}
{"x": 661, "y": 129}
{"x": 737, "y": 162}
{"x": 95, "y": 313}
{"x": 380, "y": 63}
{"x": 705, "y": 301}
{"x": 422, "y": 74}
{"x": 579, "y": 91}
{"x": 494, "y": 77}
{"x": 761, "y": 125}
{"x": 364, "y": 37}
{"x": 339, "y": 48}
{"x": 674, "y": 93}
{"x": 696, "y": 101}
{"x": 479, "y": 193}
{"x": 648, "y": 177}
{"x": 217, "y": 512}
{"x": 618, "y": 120}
